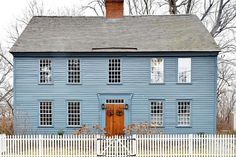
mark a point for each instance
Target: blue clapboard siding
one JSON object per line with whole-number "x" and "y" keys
{"x": 135, "y": 88}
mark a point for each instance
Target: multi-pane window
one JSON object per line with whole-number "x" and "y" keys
{"x": 157, "y": 70}
{"x": 184, "y": 70}
{"x": 156, "y": 113}
{"x": 45, "y": 70}
{"x": 184, "y": 113}
{"x": 115, "y": 101}
{"x": 45, "y": 113}
{"x": 114, "y": 71}
{"x": 73, "y": 71}
{"x": 73, "y": 113}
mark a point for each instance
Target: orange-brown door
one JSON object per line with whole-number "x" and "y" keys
{"x": 115, "y": 119}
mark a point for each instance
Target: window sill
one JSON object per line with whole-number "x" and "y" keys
{"x": 157, "y": 127}
{"x": 73, "y": 83}
{"x": 157, "y": 83}
{"x": 178, "y": 83}
{"x": 183, "y": 127}
{"x": 45, "y": 126}
{"x": 114, "y": 83}
{"x": 79, "y": 126}
{"x": 45, "y": 83}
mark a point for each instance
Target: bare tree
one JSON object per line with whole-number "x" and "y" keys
{"x": 97, "y": 6}
{"x": 5, "y": 77}
{"x": 226, "y": 105}
{"x": 6, "y": 109}
{"x": 143, "y": 7}
{"x": 222, "y": 16}
{"x": 37, "y": 8}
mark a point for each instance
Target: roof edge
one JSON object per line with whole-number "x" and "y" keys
{"x": 135, "y": 51}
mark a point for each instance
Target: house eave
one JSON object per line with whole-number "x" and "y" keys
{"x": 117, "y": 53}
{"x": 120, "y": 51}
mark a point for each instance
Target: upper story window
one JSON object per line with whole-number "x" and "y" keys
{"x": 184, "y": 70}
{"x": 156, "y": 113}
{"x": 184, "y": 113}
{"x": 73, "y": 113}
{"x": 45, "y": 68}
{"x": 45, "y": 113}
{"x": 157, "y": 70}
{"x": 73, "y": 71}
{"x": 114, "y": 71}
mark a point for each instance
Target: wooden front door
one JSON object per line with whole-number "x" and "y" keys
{"x": 115, "y": 119}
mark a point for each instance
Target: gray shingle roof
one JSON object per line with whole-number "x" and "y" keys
{"x": 139, "y": 33}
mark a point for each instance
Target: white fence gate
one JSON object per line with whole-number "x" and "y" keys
{"x": 118, "y": 146}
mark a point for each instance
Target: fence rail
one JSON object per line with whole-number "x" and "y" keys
{"x": 118, "y": 146}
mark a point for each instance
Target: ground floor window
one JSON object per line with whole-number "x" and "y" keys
{"x": 74, "y": 113}
{"x": 45, "y": 113}
{"x": 156, "y": 113}
{"x": 184, "y": 113}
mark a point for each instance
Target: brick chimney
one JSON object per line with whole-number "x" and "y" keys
{"x": 114, "y": 9}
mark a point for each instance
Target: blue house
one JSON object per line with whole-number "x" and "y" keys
{"x": 115, "y": 71}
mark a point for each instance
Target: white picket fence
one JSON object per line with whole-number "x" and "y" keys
{"x": 118, "y": 146}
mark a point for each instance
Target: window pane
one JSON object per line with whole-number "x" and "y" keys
{"x": 157, "y": 70}
{"x": 45, "y": 71}
{"x": 73, "y": 113}
{"x": 184, "y": 113}
{"x": 114, "y": 71}
{"x": 184, "y": 70}
{"x": 156, "y": 113}
{"x": 45, "y": 113}
{"x": 73, "y": 71}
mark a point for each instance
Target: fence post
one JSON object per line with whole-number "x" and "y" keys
{"x": 2, "y": 144}
{"x": 234, "y": 150}
{"x": 40, "y": 145}
{"x": 190, "y": 139}
{"x": 98, "y": 140}
{"x": 134, "y": 138}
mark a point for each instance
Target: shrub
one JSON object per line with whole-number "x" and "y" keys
{"x": 142, "y": 128}
{"x": 60, "y": 132}
{"x": 86, "y": 130}
{"x": 6, "y": 125}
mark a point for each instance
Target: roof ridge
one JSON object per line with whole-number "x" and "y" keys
{"x": 53, "y": 16}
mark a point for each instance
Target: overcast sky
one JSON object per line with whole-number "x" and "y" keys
{"x": 10, "y": 9}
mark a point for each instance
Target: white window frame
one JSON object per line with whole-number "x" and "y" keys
{"x": 157, "y": 71}
{"x": 184, "y": 117}
{"x": 158, "y": 116}
{"x": 76, "y": 114}
{"x": 46, "y": 112}
{"x": 77, "y": 72}
{"x": 184, "y": 67}
{"x": 117, "y": 76}
{"x": 42, "y": 73}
